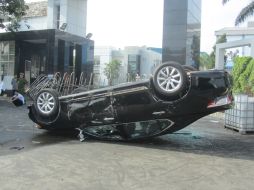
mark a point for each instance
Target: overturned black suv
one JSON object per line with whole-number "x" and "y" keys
{"x": 173, "y": 98}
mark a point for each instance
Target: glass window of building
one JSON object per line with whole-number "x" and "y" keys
{"x": 7, "y": 58}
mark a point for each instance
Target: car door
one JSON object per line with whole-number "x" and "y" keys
{"x": 101, "y": 108}
{"x": 131, "y": 106}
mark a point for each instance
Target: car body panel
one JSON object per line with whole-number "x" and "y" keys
{"x": 136, "y": 105}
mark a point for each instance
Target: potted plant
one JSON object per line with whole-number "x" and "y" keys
{"x": 241, "y": 116}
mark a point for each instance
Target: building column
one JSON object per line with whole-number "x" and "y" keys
{"x": 61, "y": 56}
{"x": 50, "y": 45}
{"x": 17, "y": 58}
{"x": 50, "y": 14}
{"x": 252, "y": 49}
{"x": 219, "y": 58}
{"x": 78, "y": 60}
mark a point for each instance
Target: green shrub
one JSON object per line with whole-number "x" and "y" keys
{"x": 243, "y": 75}
{"x": 251, "y": 79}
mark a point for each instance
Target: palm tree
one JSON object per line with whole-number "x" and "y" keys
{"x": 244, "y": 13}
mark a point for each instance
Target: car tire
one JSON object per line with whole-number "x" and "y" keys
{"x": 169, "y": 79}
{"x": 46, "y": 103}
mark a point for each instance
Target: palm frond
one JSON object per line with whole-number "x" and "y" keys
{"x": 244, "y": 13}
{"x": 225, "y": 1}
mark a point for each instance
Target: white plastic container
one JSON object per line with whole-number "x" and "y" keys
{"x": 241, "y": 116}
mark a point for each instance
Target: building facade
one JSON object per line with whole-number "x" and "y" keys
{"x": 181, "y": 31}
{"x": 237, "y": 34}
{"x": 102, "y": 56}
{"x": 135, "y": 61}
{"x": 52, "y": 38}
{"x": 240, "y": 42}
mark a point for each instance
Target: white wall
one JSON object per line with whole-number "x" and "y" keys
{"x": 105, "y": 55}
{"x": 243, "y": 51}
{"x": 50, "y": 15}
{"x": 72, "y": 12}
{"x": 149, "y": 59}
{"x": 76, "y": 17}
{"x": 129, "y": 50}
{"x": 34, "y": 23}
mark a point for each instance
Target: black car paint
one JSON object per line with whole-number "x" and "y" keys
{"x": 134, "y": 102}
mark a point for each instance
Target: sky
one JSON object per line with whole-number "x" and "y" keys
{"x": 139, "y": 22}
{"x": 120, "y": 23}
{"x": 215, "y": 16}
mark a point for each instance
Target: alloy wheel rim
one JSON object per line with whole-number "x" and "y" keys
{"x": 169, "y": 79}
{"x": 46, "y": 102}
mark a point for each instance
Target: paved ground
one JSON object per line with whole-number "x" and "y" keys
{"x": 202, "y": 156}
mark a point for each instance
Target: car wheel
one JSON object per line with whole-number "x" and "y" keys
{"x": 46, "y": 103}
{"x": 169, "y": 79}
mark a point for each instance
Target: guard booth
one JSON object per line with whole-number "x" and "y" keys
{"x": 44, "y": 52}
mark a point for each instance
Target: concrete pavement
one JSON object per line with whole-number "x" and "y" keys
{"x": 202, "y": 156}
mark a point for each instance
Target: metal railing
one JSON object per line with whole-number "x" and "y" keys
{"x": 64, "y": 85}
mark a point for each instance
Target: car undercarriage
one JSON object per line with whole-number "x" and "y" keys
{"x": 170, "y": 100}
